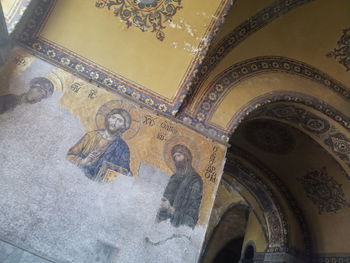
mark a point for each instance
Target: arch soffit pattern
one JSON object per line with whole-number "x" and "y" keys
{"x": 249, "y": 178}
{"x": 274, "y": 215}
{"x": 329, "y": 137}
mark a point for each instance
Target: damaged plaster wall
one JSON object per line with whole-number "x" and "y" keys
{"x": 53, "y": 206}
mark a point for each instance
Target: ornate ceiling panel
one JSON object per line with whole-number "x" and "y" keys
{"x": 148, "y": 50}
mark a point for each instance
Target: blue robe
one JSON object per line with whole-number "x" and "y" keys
{"x": 117, "y": 153}
{"x": 116, "y": 156}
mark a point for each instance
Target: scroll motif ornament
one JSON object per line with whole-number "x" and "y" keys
{"x": 342, "y": 51}
{"x": 147, "y": 15}
{"x": 324, "y": 192}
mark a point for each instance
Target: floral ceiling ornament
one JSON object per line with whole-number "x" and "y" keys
{"x": 324, "y": 191}
{"x": 147, "y": 15}
{"x": 342, "y": 52}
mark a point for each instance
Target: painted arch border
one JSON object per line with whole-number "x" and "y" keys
{"x": 244, "y": 30}
{"x": 254, "y": 179}
{"x": 275, "y": 218}
{"x": 233, "y": 75}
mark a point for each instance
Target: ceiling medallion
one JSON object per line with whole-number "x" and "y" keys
{"x": 269, "y": 136}
{"x": 342, "y": 52}
{"x": 147, "y": 15}
{"x": 324, "y": 191}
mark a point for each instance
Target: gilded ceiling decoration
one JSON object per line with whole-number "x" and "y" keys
{"x": 342, "y": 51}
{"x": 324, "y": 191}
{"x": 305, "y": 119}
{"x": 147, "y": 15}
{"x": 340, "y": 145}
{"x": 269, "y": 136}
{"x": 333, "y": 140}
{"x": 261, "y": 106}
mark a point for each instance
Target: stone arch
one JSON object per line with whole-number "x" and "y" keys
{"x": 228, "y": 79}
{"x": 277, "y": 182}
{"x": 235, "y": 216}
{"x": 285, "y": 106}
{"x": 277, "y": 231}
{"x": 248, "y": 27}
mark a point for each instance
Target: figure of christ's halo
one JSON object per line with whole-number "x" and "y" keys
{"x": 185, "y": 141}
{"x": 56, "y": 81}
{"x": 146, "y": 5}
{"x": 134, "y": 112}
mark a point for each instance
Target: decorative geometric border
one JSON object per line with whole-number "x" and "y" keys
{"x": 316, "y": 258}
{"x": 292, "y": 97}
{"x": 331, "y": 258}
{"x": 264, "y": 100}
{"x": 273, "y": 213}
{"x": 16, "y": 13}
{"x": 234, "y": 151}
{"x": 240, "y": 33}
{"x": 87, "y": 69}
{"x": 225, "y": 81}
{"x": 332, "y": 139}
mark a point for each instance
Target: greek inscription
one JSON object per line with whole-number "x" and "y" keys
{"x": 161, "y": 136}
{"x": 19, "y": 60}
{"x": 210, "y": 172}
{"x": 92, "y": 94}
{"x": 149, "y": 120}
{"x": 76, "y": 87}
{"x": 168, "y": 127}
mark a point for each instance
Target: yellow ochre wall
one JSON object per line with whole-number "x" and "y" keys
{"x": 100, "y": 36}
{"x": 301, "y": 34}
{"x": 255, "y": 234}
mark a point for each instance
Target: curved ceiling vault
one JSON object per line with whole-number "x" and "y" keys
{"x": 312, "y": 176}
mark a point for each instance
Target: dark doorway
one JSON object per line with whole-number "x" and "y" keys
{"x": 248, "y": 256}
{"x": 231, "y": 253}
